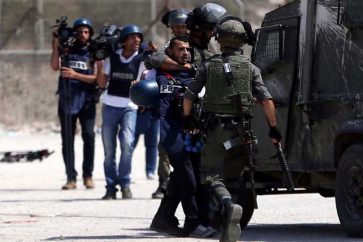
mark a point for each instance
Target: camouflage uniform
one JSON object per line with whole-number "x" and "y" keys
{"x": 217, "y": 162}
{"x": 226, "y": 77}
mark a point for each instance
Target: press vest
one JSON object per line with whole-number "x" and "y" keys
{"x": 169, "y": 90}
{"x": 121, "y": 75}
{"x": 223, "y": 93}
{"x": 79, "y": 92}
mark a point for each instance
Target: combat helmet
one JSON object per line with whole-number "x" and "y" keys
{"x": 230, "y": 32}
{"x": 175, "y": 17}
{"x": 205, "y": 16}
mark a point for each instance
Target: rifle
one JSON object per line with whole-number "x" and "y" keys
{"x": 246, "y": 133}
{"x": 17, "y": 156}
{"x": 249, "y": 139}
{"x": 285, "y": 168}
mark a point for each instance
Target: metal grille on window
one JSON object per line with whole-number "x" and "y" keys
{"x": 269, "y": 49}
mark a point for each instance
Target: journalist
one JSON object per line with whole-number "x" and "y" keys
{"x": 116, "y": 73}
{"x": 76, "y": 86}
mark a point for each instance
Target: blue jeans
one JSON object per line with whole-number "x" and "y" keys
{"x": 119, "y": 122}
{"x": 149, "y": 126}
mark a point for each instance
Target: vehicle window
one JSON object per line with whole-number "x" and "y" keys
{"x": 352, "y": 13}
{"x": 270, "y": 47}
{"x": 276, "y": 54}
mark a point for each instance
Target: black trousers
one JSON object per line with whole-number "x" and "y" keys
{"x": 68, "y": 122}
{"x": 184, "y": 182}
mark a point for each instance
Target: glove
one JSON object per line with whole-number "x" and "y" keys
{"x": 187, "y": 122}
{"x": 275, "y": 134}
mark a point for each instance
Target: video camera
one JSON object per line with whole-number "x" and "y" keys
{"x": 108, "y": 41}
{"x": 64, "y": 33}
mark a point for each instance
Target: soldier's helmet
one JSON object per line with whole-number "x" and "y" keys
{"x": 205, "y": 16}
{"x": 230, "y": 32}
{"x": 175, "y": 17}
{"x": 145, "y": 93}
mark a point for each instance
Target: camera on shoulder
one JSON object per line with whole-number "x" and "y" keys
{"x": 105, "y": 43}
{"x": 65, "y": 34}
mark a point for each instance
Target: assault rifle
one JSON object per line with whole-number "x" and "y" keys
{"x": 249, "y": 139}
{"x": 29, "y": 156}
{"x": 245, "y": 137}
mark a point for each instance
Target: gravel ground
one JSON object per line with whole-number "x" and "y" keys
{"x": 33, "y": 208}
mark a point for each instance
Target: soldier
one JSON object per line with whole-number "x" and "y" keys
{"x": 231, "y": 81}
{"x": 175, "y": 20}
{"x": 200, "y": 22}
{"x": 76, "y": 86}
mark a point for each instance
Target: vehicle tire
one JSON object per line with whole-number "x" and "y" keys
{"x": 246, "y": 200}
{"x": 349, "y": 190}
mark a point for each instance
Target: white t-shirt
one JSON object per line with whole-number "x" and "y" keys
{"x": 115, "y": 101}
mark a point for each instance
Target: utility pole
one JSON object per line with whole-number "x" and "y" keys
{"x": 1, "y": 23}
{"x": 241, "y": 6}
{"x": 39, "y": 25}
{"x": 152, "y": 18}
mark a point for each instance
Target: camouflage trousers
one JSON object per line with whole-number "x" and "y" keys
{"x": 217, "y": 162}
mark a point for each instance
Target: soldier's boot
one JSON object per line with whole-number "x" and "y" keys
{"x": 231, "y": 230}
{"x": 164, "y": 220}
{"x": 231, "y": 213}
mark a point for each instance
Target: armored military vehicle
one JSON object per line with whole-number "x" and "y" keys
{"x": 310, "y": 53}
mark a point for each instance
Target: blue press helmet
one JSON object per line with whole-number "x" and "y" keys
{"x": 130, "y": 29}
{"x": 83, "y": 22}
{"x": 145, "y": 93}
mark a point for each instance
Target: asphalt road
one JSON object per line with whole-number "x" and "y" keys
{"x": 33, "y": 208}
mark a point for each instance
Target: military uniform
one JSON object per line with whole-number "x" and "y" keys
{"x": 223, "y": 116}
{"x": 223, "y": 123}
{"x": 200, "y": 23}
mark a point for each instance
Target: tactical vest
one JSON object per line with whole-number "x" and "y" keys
{"x": 198, "y": 55}
{"x": 121, "y": 76}
{"x": 232, "y": 96}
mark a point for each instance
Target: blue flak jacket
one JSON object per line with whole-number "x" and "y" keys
{"x": 170, "y": 85}
{"x": 79, "y": 93}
